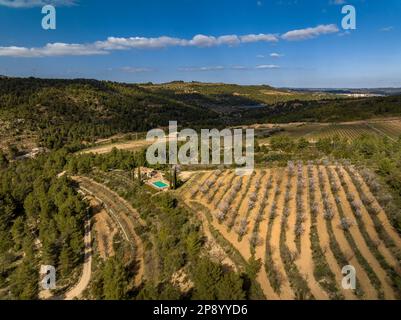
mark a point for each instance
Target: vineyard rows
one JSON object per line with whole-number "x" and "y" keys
{"x": 351, "y": 131}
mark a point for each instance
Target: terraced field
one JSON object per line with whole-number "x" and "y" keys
{"x": 124, "y": 216}
{"x": 305, "y": 223}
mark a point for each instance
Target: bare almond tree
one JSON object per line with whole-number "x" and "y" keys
{"x": 328, "y": 214}
{"x": 243, "y": 226}
{"x": 345, "y": 224}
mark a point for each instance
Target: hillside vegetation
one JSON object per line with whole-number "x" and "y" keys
{"x": 57, "y": 113}
{"x": 337, "y": 110}
{"x": 323, "y": 195}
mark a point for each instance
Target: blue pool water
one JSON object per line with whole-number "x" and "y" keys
{"x": 160, "y": 184}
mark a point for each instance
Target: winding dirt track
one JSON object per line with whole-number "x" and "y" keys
{"x": 83, "y": 282}
{"x": 123, "y": 213}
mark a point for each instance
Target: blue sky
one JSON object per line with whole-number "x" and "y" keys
{"x": 291, "y": 43}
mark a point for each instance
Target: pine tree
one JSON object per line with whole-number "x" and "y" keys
{"x": 48, "y": 236}
{"x": 17, "y": 232}
{"x": 65, "y": 260}
{"x": 25, "y": 281}
{"x": 193, "y": 244}
{"x": 3, "y": 160}
{"x": 114, "y": 280}
{"x": 205, "y": 276}
{"x": 32, "y": 208}
{"x": 170, "y": 179}
{"x": 28, "y": 247}
{"x": 230, "y": 287}
{"x": 175, "y": 178}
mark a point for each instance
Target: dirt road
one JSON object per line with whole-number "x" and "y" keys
{"x": 122, "y": 213}
{"x": 83, "y": 282}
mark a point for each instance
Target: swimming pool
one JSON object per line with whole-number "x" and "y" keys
{"x": 160, "y": 184}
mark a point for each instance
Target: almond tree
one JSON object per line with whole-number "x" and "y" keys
{"x": 328, "y": 214}
{"x": 251, "y": 205}
{"x": 300, "y": 209}
{"x": 255, "y": 240}
{"x": 243, "y": 226}
{"x": 345, "y": 224}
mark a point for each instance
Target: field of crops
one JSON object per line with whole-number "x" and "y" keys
{"x": 314, "y": 131}
{"x": 305, "y": 223}
{"x": 390, "y": 128}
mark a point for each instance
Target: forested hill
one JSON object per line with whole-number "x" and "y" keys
{"x": 71, "y": 111}
{"x": 68, "y": 112}
{"x": 335, "y": 110}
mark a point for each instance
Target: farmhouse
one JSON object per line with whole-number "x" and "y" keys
{"x": 146, "y": 173}
{"x": 153, "y": 178}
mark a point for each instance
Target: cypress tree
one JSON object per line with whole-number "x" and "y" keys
{"x": 139, "y": 175}
{"x": 175, "y": 178}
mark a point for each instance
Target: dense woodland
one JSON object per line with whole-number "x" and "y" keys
{"x": 41, "y": 222}
{"x": 336, "y": 110}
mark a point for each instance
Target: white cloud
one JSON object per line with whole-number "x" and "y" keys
{"x": 113, "y": 43}
{"x": 345, "y": 33}
{"x": 230, "y": 40}
{"x": 136, "y": 69}
{"x": 239, "y": 68}
{"x": 267, "y": 66}
{"x": 192, "y": 69}
{"x": 387, "y": 29}
{"x": 272, "y": 55}
{"x": 259, "y": 37}
{"x": 118, "y": 43}
{"x": 35, "y": 3}
{"x": 310, "y": 33}
{"x": 201, "y": 40}
{"x": 51, "y": 49}
{"x": 223, "y": 68}
{"x": 338, "y": 2}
